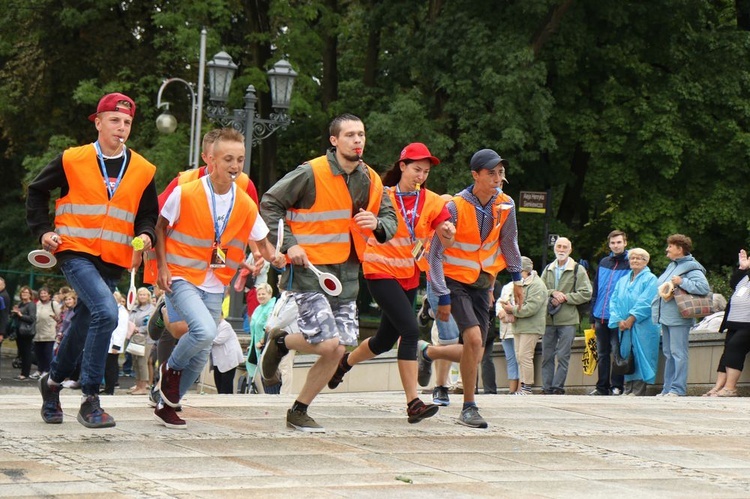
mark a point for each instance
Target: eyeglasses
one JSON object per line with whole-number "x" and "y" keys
{"x": 635, "y": 257}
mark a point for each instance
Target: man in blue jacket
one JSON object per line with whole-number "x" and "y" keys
{"x": 611, "y": 269}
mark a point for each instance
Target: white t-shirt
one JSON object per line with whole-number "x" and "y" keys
{"x": 171, "y": 211}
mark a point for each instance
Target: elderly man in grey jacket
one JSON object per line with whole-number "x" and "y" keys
{"x": 568, "y": 285}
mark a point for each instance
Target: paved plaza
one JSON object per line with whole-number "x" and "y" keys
{"x": 238, "y": 446}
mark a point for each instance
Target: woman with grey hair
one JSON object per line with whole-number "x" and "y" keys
{"x": 530, "y": 323}
{"x": 630, "y": 313}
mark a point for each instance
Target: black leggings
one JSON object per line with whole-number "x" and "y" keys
{"x": 736, "y": 348}
{"x": 398, "y": 318}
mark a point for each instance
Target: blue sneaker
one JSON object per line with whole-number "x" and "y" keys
{"x": 440, "y": 396}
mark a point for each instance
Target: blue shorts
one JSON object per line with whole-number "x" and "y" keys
{"x": 447, "y": 331}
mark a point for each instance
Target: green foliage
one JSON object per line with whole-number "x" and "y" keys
{"x": 633, "y": 114}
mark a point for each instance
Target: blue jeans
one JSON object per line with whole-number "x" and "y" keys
{"x": 447, "y": 331}
{"x": 91, "y": 327}
{"x": 510, "y": 358}
{"x": 202, "y": 312}
{"x": 675, "y": 344}
{"x": 556, "y": 343}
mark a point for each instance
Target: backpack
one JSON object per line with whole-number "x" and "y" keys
{"x": 584, "y": 309}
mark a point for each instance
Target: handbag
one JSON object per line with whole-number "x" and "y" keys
{"x": 692, "y": 306}
{"x": 590, "y": 357}
{"x": 137, "y": 345}
{"x": 623, "y": 365}
{"x": 136, "y": 349}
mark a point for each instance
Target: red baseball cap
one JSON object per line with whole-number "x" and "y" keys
{"x": 112, "y": 102}
{"x": 416, "y": 151}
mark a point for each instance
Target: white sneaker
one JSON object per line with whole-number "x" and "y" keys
{"x": 671, "y": 394}
{"x": 616, "y": 391}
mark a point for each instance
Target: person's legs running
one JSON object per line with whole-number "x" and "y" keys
{"x": 202, "y": 312}
{"x": 447, "y": 334}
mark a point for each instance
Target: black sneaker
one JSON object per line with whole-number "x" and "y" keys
{"x": 419, "y": 411}
{"x": 52, "y": 412}
{"x": 167, "y": 416}
{"x": 303, "y": 422}
{"x": 271, "y": 356}
{"x": 169, "y": 385}
{"x": 155, "y": 324}
{"x": 91, "y": 415}
{"x": 440, "y": 396}
{"x": 338, "y": 376}
{"x": 597, "y": 392}
{"x": 423, "y": 317}
{"x": 425, "y": 366}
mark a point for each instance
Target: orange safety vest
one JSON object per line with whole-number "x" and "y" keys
{"x": 150, "y": 271}
{"x": 190, "y": 241}
{"x": 469, "y": 254}
{"x": 326, "y": 229}
{"x": 87, "y": 219}
{"x": 394, "y": 257}
{"x": 186, "y": 176}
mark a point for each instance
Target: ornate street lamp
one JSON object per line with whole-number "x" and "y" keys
{"x": 281, "y": 77}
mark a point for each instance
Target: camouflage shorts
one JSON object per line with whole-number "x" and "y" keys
{"x": 320, "y": 320}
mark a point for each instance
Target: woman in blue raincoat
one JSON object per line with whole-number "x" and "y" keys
{"x": 258, "y": 321}
{"x": 630, "y": 312}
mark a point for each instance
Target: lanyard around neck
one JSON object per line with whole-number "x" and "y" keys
{"x": 411, "y": 221}
{"x": 218, "y": 231}
{"x": 110, "y": 188}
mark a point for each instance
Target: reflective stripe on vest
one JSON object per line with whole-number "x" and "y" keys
{"x": 190, "y": 241}
{"x": 394, "y": 257}
{"x": 469, "y": 255}
{"x": 325, "y": 230}
{"x": 87, "y": 219}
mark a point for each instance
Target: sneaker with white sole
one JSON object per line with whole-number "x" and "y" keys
{"x": 424, "y": 372}
{"x": 302, "y": 421}
{"x": 167, "y": 416}
{"x": 440, "y": 396}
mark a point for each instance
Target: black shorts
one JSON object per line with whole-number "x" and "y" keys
{"x": 470, "y": 307}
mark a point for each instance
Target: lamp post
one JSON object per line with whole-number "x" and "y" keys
{"x": 221, "y": 70}
{"x": 167, "y": 123}
{"x": 281, "y": 77}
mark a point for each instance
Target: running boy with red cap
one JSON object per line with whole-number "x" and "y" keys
{"x": 107, "y": 196}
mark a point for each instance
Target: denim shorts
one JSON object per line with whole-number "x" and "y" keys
{"x": 447, "y": 330}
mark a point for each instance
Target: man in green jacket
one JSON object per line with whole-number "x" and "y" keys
{"x": 568, "y": 285}
{"x": 314, "y": 200}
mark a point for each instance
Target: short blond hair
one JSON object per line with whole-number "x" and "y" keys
{"x": 265, "y": 287}
{"x": 640, "y": 252}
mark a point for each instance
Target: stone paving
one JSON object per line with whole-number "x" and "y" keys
{"x": 238, "y": 445}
